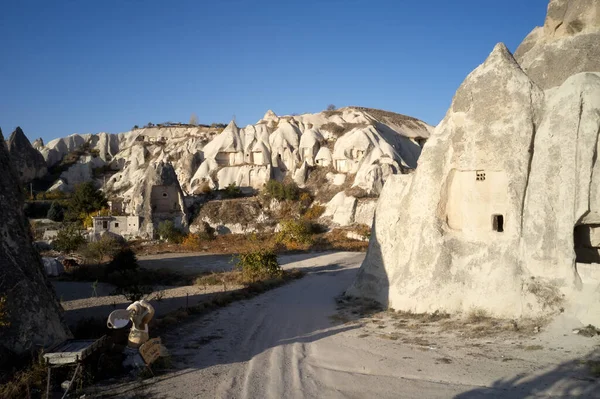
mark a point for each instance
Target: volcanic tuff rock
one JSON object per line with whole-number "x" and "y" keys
{"x": 28, "y": 162}
{"x": 568, "y": 43}
{"x": 159, "y": 198}
{"x": 34, "y": 314}
{"x": 364, "y": 144}
{"x": 505, "y": 195}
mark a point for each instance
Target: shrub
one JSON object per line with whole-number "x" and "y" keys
{"x": 280, "y": 191}
{"x": 195, "y": 241}
{"x": 107, "y": 245}
{"x": 123, "y": 262}
{"x": 258, "y": 264}
{"x": 56, "y": 212}
{"x": 331, "y": 107}
{"x": 232, "y": 191}
{"x": 167, "y": 231}
{"x": 129, "y": 284}
{"x": 294, "y": 232}
{"x": 305, "y": 199}
{"x": 314, "y": 212}
{"x": 69, "y": 238}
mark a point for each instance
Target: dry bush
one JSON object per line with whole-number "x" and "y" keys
{"x": 222, "y": 278}
{"x": 24, "y": 382}
{"x": 314, "y": 212}
{"x": 340, "y": 130}
{"x": 260, "y": 264}
{"x": 477, "y": 315}
{"x": 295, "y": 233}
{"x": 196, "y": 241}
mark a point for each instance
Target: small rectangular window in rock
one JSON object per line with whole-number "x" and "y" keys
{"x": 116, "y": 224}
{"x": 104, "y": 224}
{"x": 498, "y": 223}
{"x": 480, "y": 175}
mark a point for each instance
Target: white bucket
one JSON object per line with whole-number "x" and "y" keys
{"x": 118, "y": 319}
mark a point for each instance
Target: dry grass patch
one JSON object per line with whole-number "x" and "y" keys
{"x": 23, "y": 383}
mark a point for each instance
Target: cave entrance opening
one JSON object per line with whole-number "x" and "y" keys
{"x": 498, "y": 223}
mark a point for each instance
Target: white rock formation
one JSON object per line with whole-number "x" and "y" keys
{"x": 568, "y": 43}
{"x": 372, "y": 145}
{"x": 504, "y": 200}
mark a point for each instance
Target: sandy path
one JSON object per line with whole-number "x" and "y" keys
{"x": 284, "y": 344}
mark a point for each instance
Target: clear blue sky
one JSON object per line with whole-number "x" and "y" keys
{"x": 86, "y": 66}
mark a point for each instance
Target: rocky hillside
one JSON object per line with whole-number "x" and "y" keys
{"x": 360, "y": 147}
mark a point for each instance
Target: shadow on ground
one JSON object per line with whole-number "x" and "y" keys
{"x": 569, "y": 379}
{"x": 250, "y": 327}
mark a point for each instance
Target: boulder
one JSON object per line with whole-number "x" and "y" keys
{"x": 341, "y": 209}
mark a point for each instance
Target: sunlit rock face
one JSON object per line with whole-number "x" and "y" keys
{"x": 366, "y": 143}
{"x": 502, "y": 211}
{"x": 32, "y": 316}
{"x": 568, "y": 43}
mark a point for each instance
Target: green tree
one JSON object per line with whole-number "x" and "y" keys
{"x": 86, "y": 199}
{"x": 56, "y": 212}
{"x": 107, "y": 245}
{"x": 69, "y": 238}
{"x": 232, "y": 191}
{"x": 167, "y": 231}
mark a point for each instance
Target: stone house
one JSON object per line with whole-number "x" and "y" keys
{"x": 126, "y": 226}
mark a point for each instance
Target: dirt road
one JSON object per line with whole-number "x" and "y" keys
{"x": 195, "y": 263}
{"x": 290, "y": 343}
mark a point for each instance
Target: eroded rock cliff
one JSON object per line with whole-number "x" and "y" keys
{"x": 34, "y": 316}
